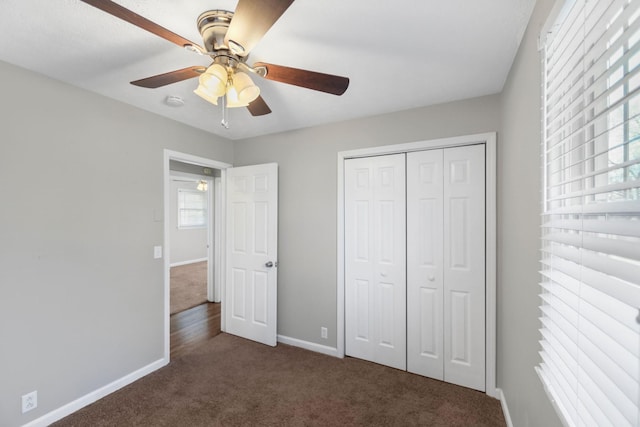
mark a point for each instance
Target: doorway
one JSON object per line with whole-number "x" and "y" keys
{"x": 192, "y": 249}
{"x": 190, "y": 219}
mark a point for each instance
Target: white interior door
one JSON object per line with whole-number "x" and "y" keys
{"x": 464, "y": 266}
{"x": 375, "y": 272}
{"x": 425, "y": 287}
{"x": 250, "y": 298}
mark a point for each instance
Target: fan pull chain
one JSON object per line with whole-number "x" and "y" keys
{"x": 225, "y": 112}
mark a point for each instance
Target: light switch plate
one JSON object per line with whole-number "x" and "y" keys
{"x": 157, "y": 252}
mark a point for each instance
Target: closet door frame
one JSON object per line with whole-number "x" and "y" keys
{"x": 489, "y": 139}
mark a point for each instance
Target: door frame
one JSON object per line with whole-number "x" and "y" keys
{"x": 490, "y": 140}
{"x": 217, "y": 258}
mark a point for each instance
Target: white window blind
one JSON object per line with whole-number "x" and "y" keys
{"x": 192, "y": 208}
{"x": 590, "y": 298}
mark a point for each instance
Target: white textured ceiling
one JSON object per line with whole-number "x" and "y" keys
{"x": 398, "y": 55}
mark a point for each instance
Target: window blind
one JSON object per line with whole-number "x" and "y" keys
{"x": 192, "y": 208}
{"x": 590, "y": 257}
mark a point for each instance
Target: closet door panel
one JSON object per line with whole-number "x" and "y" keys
{"x": 425, "y": 340}
{"x": 464, "y": 266}
{"x": 375, "y": 259}
{"x": 359, "y": 240}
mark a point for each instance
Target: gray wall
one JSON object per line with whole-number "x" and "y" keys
{"x": 81, "y": 183}
{"x": 519, "y": 194}
{"x": 187, "y": 244}
{"x": 307, "y": 224}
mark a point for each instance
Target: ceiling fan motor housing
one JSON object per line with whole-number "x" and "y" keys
{"x": 213, "y": 26}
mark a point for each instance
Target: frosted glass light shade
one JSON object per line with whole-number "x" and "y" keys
{"x": 203, "y": 93}
{"x": 232, "y": 98}
{"x": 214, "y": 79}
{"x": 247, "y": 91}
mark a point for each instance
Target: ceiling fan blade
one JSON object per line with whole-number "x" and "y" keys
{"x": 140, "y": 21}
{"x": 251, "y": 20}
{"x": 335, "y": 85}
{"x": 170, "y": 77}
{"x": 258, "y": 107}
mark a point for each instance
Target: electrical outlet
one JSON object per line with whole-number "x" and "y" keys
{"x": 29, "y": 401}
{"x": 323, "y": 332}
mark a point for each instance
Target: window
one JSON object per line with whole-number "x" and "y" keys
{"x": 590, "y": 255}
{"x": 192, "y": 208}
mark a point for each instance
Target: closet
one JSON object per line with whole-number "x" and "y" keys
{"x": 415, "y": 262}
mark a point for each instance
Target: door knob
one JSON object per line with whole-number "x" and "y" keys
{"x": 431, "y": 278}
{"x": 269, "y": 264}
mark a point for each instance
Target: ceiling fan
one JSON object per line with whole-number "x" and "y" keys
{"x": 228, "y": 38}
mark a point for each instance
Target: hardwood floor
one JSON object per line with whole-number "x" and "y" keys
{"x": 192, "y": 327}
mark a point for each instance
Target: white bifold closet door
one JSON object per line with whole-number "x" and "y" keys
{"x": 415, "y": 262}
{"x": 375, "y": 242}
{"x": 446, "y": 265}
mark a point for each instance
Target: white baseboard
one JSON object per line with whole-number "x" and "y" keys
{"x": 191, "y": 261}
{"x": 87, "y": 399}
{"x": 307, "y": 345}
{"x": 505, "y": 408}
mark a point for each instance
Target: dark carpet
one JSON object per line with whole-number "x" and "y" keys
{"x": 229, "y": 381}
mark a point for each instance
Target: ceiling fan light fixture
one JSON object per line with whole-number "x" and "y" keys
{"x": 247, "y": 91}
{"x": 202, "y": 185}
